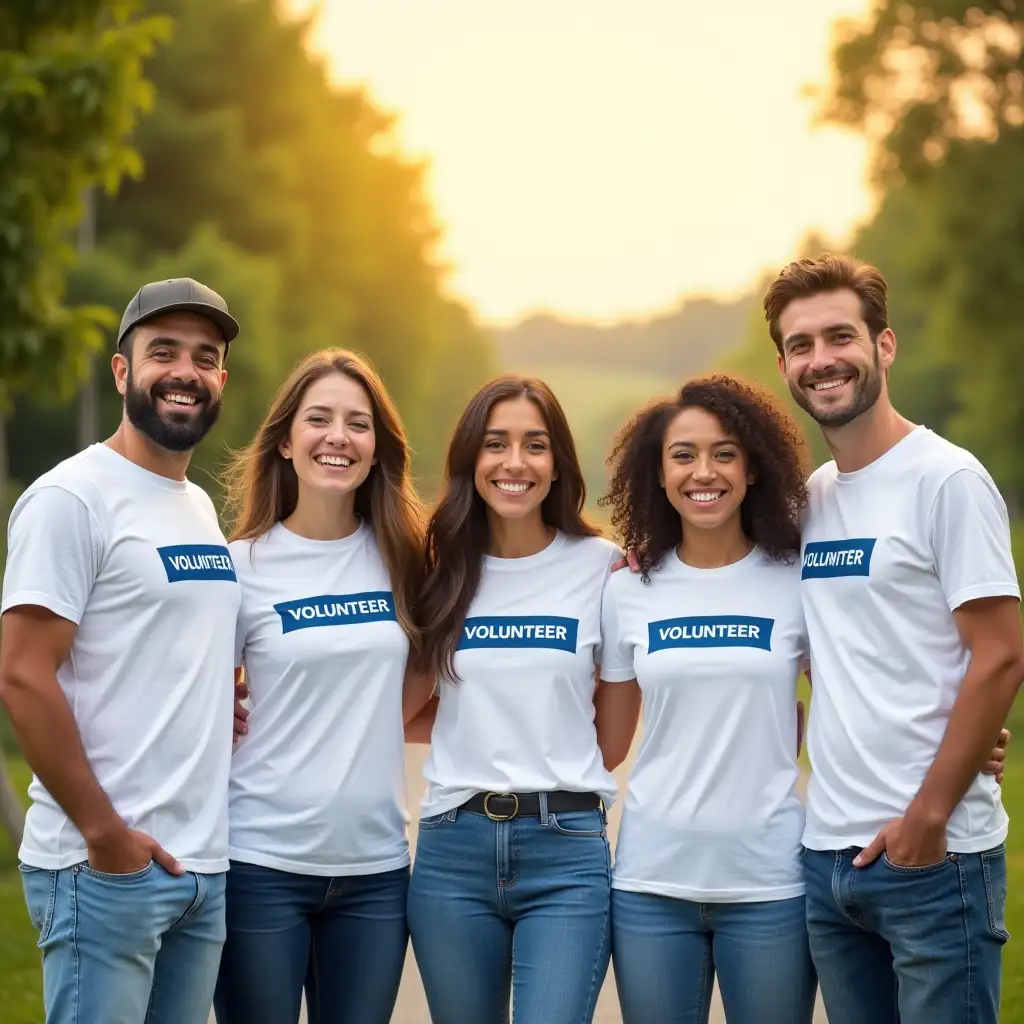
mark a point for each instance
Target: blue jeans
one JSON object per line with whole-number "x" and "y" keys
{"x": 523, "y": 903}
{"x": 342, "y": 939}
{"x": 902, "y": 944}
{"x": 666, "y": 953}
{"x": 126, "y": 949}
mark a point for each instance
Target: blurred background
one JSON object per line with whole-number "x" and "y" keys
{"x": 592, "y": 191}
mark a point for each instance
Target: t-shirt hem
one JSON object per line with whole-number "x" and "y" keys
{"x": 332, "y": 870}
{"x": 42, "y": 600}
{"x": 616, "y": 676}
{"x": 681, "y": 892}
{"x": 1008, "y": 588}
{"x": 974, "y": 844}
{"x": 51, "y": 862}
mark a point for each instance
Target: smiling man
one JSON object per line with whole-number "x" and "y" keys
{"x": 119, "y": 608}
{"x": 912, "y": 608}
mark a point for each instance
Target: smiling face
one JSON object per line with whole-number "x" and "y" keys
{"x": 331, "y": 442}
{"x": 703, "y": 469}
{"x": 171, "y": 376}
{"x": 515, "y": 466}
{"x": 833, "y": 368}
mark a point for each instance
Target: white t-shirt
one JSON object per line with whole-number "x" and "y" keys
{"x": 521, "y": 716}
{"x": 139, "y": 563}
{"x": 318, "y": 783}
{"x": 890, "y": 551}
{"x": 712, "y": 812}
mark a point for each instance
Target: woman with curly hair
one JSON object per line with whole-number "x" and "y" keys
{"x": 708, "y": 489}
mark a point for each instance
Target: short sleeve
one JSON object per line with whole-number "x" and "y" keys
{"x": 54, "y": 553}
{"x": 240, "y": 552}
{"x": 970, "y": 536}
{"x": 616, "y": 665}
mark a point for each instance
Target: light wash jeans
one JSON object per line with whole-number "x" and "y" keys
{"x": 520, "y": 906}
{"x": 142, "y": 948}
{"x": 666, "y": 953}
{"x": 908, "y": 945}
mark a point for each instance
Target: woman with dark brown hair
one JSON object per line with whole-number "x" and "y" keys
{"x": 327, "y": 547}
{"x": 510, "y": 886}
{"x": 708, "y": 488}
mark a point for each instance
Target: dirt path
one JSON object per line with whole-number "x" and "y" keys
{"x": 412, "y": 1006}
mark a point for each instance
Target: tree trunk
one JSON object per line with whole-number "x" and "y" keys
{"x": 88, "y": 399}
{"x": 12, "y": 814}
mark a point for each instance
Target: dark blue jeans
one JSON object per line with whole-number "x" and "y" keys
{"x": 907, "y": 945}
{"x": 666, "y": 953}
{"x": 342, "y": 939}
{"x": 523, "y": 903}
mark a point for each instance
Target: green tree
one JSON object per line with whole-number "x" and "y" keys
{"x": 249, "y": 137}
{"x": 939, "y": 88}
{"x": 71, "y": 88}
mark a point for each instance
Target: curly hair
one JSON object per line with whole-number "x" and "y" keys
{"x": 641, "y": 513}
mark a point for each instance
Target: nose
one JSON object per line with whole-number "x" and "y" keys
{"x": 703, "y": 468}
{"x": 513, "y": 458}
{"x": 822, "y": 357}
{"x": 185, "y": 369}
{"x": 337, "y": 433}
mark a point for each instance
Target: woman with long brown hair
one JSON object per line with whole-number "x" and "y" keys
{"x": 511, "y": 884}
{"x": 327, "y": 547}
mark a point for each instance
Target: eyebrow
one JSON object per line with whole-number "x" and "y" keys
{"x": 693, "y": 444}
{"x": 203, "y": 346}
{"x": 830, "y": 329}
{"x": 504, "y": 433}
{"x": 328, "y": 409}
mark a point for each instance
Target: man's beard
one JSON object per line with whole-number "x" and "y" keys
{"x": 866, "y": 391}
{"x": 177, "y": 432}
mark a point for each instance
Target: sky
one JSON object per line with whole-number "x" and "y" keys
{"x": 603, "y": 159}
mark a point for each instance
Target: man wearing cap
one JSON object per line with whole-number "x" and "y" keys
{"x": 116, "y": 663}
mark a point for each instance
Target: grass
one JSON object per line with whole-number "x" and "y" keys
{"x": 20, "y": 978}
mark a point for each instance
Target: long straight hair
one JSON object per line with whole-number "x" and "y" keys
{"x": 263, "y": 488}
{"x": 457, "y": 534}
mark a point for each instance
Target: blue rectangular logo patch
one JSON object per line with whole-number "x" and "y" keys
{"x": 551, "y": 631}
{"x": 710, "y": 631}
{"x": 336, "y": 610}
{"x": 830, "y": 558}
{"x": 197, "y": 562}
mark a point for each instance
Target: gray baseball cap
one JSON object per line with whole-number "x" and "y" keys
{"x": 179, "y": 293}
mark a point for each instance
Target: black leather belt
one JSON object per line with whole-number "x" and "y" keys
{"x": 504, "y": 806}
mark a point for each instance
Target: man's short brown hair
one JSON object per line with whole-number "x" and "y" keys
{"x": 828, "y": 273}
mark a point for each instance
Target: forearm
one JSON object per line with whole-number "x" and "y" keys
{"x": 616, "y": 711}
{"x": 417, "y": 691}
{"x": 49, "y": 740}
{"x": 984, "y": 702}
{"x": 419, "y": 728}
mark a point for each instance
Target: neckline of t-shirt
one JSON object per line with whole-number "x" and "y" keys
{"x": 527, "y": 561}
{"x": 280, "y": 534}
{"x": 884, "y": 459}
{"x": 676, "y": 564}
{"x": 142, "y": 474}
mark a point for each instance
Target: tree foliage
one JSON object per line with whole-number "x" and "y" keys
{"x": 253, "y": 158}
{"x": 71, "y": 89}
{"x": 939, "y": 88}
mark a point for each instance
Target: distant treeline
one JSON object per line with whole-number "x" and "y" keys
{"x": 675, "y": 345}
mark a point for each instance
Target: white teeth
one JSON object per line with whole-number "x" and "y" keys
{"x": 827, "y": 385}
{"x": 511, "y": 488}
{"x": 705, "y": 495}
{"x": 179, "y": 399}
{"x": 334, "y": 460}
